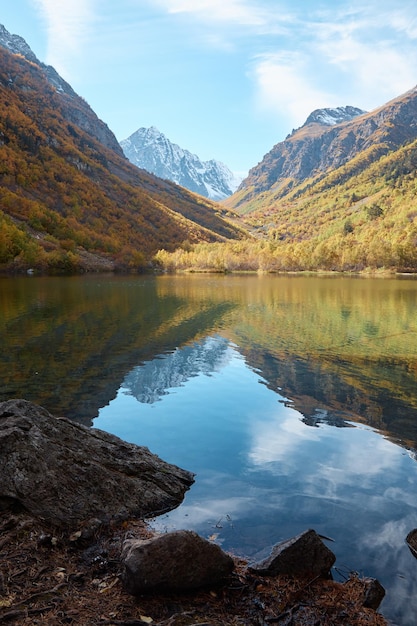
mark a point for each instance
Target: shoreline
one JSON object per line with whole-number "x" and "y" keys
{"x": 66, "y": 579}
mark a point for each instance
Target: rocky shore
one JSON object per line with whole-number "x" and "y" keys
{"x": 75, "y": 548}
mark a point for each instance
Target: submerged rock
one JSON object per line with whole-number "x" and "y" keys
{"x": 66, "y": 473}
{"x": 411, "y": 540}
{"x": 303, "y": 554}
{"x": 373, "y": 594}
{"x": 176, "y": 561}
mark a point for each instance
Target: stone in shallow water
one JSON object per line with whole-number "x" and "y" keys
{"x": 67, "y": 473}
{"x": 373, "y": 593}
{"x": 304, "y": 554}
{"x": 411, "y": 540}
{"x": 176, "y": 561}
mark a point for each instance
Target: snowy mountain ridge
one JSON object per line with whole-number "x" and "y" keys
{"x": 151, "y": 150}
{"x": 331, "y": 117}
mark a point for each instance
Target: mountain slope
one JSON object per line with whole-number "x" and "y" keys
{"x": 316, "y": 149}
{"x": 359, "y": 217}
{"x": 151, "y": 150}
{"x": 76, "y": 109}
{"x": 67, "y": 198}
{"x": 341, "y": 197}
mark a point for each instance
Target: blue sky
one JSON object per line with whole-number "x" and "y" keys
{"x": 225, "y": 79}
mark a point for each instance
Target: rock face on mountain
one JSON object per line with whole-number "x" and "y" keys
{"x": 329, "y": 139}
{"x": 77, "y": 110}
{"x": 151, "y": 150}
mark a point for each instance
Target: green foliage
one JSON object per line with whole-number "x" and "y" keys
{"x": 348, "y": 227}
{"x": 374, "y": 211}
{"x": 356, "y": 218}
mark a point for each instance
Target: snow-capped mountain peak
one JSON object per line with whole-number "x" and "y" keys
{"x": 330, "y": 117}
{"x": 16, "y": 44}
{"x": 151, "y": 150}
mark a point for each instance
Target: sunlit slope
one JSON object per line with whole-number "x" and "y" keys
{"x": 341, "y": 197}
{"x": 317, "y": 148}
{"x": 67, "y": 200}
{"x": 360, "y": 215}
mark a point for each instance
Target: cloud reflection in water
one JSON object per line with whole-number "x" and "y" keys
{"x": 262, "y": 473}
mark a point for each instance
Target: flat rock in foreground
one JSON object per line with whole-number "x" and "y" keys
{"x": 66, "y": 473}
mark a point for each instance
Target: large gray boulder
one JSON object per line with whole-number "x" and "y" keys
{"x": 176, "y": 561}
{"x": 303, "y": 554}
{"x": 66, "y": 473}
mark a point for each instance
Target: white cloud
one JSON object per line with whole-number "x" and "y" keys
{"x": 345, "y": 56}
{"x": 369, "y": 63}
{"x": 223, "y": 26}
{"x": 276, "y": 439}
{"x": 303, "y": 60}
{"x": 338, "y": 456}
{"x": 383, "y": 71}
{"x": 403, "y": 23}
{"x": 285, "y": 87}
{"x": 365, "y": 454}
{"x": 67, "y": 27}
{"x": 191, "y": 515}
{"x": 252, "y": 17}
{"x": 235, "y": 11}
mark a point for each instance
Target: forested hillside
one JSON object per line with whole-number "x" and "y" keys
{"x": 68, "y": 202}
{"x": 362, "y": 216}
{"x": 328, "y": 198}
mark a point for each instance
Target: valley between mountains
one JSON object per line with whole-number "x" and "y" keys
{"x": 338, "y": 194}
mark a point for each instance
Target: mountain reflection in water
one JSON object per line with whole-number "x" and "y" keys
{"x": 265, "y": 472}
{"x": 292, "y": 398}
{"x": 152, "y": 380}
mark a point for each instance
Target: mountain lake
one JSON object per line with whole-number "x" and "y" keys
{"x": 293, "y": 399}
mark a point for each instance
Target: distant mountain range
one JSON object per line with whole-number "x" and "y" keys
{"x": 152, "y": 151}
{"x": 338, "y": 193}
{"x": 153, "y": 379}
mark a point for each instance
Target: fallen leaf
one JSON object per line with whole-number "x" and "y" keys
{"x": 75, "y": 535}
{"x": 105, "y": 587}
